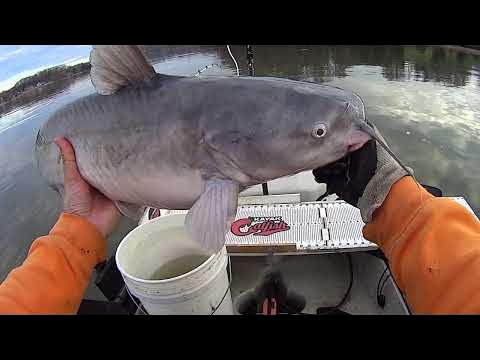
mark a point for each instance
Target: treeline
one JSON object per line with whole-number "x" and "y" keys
{"x": 41, "y": 84}
{"x": 322, "y": 63}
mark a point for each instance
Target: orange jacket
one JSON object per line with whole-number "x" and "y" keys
{"x": 433, "y": 245}
{"x": 57, "y": 270}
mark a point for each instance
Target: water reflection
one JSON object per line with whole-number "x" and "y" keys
{"x": 398, "y": 63}
{"x": 323, "y": 63}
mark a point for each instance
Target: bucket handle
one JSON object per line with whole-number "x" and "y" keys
{"x": 228, "y": 287}
{"x": 139, "y": 304}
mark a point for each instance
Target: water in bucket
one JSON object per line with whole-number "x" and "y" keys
{"x": 178, "y": 266}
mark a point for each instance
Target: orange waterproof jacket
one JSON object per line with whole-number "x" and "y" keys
{"x": 433, "y": 245}
{"x": 57, "y": 270}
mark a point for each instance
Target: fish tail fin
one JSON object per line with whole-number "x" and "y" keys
{"x": 115, "y": 66}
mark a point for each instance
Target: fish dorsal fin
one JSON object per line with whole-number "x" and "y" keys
{"x": 116, "y": 66}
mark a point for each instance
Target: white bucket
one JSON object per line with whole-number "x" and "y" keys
{"x": 158, "y": 242}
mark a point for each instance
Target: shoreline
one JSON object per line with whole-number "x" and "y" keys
{"x": 46, "y": 82}
{"x": 39, "y": 87}
{"x": 33, "y": 95}
{"x": 461, "y": 49}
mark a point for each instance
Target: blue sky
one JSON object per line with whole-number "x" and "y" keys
{"x": 19, "y": 61}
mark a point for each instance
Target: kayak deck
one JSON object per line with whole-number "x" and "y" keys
{"x": 266, "y": 234}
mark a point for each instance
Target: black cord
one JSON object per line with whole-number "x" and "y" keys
{"x": 380, "y": 296}
{"x": 380, "y": 280}
{"x": 384, "y": 282}
{"x": 321, "y": 197}
{"x": 380, "y": 285}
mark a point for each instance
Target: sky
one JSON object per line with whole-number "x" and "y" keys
{"x": 19, "y": 61}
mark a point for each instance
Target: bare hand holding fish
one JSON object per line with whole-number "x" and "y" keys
{"x": 83, "y": 200}
{"x": 194, "y": 143}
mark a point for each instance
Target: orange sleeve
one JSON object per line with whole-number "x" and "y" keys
{"x": 433, "y": 246}
{"x": 56, "y": 272}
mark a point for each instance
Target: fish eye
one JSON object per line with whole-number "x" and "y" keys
{"x": 319, "y": 130}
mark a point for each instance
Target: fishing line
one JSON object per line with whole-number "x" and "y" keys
{"x": 212, "y": 65}
{"x": 382, "y": 143}
{"x": 233, "y": 58}
{"x": 371, "y": 130}
{"x": 139, "y": 306}
{"x": 205, "y": 68}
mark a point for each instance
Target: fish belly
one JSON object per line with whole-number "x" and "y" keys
{"x": 165, "y": 190}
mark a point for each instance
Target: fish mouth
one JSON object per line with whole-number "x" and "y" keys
{"x": 354, "y": 147}
{"x": 356, "y": 139}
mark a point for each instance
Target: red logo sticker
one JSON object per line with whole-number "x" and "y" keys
{"x": 259, "y": 226}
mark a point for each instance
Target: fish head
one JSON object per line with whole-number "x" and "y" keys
{"x": 311, "y": 126}
{"x": 320, "y": 130}
{"x": 340, "y": 128}
{"x": 328, "y": 134}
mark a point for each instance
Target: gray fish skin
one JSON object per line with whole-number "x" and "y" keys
{"x": 158, "y": 143}
{"x": 155, "y": 144}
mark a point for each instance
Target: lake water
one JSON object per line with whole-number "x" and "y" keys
{"x": 425, "y": 101}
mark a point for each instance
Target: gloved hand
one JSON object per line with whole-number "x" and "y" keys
{"x": 363, "y": 178}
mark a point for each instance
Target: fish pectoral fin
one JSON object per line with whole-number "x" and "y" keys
{"x": 132, "y": 211}
{"x": 210, "y": 217}
{"x": 115, "y": 66}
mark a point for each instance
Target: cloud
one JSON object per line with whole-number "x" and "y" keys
{"x": 11, "y": 54}
{"x": 16, "y": 59}
{"x": 76, "y": 60}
